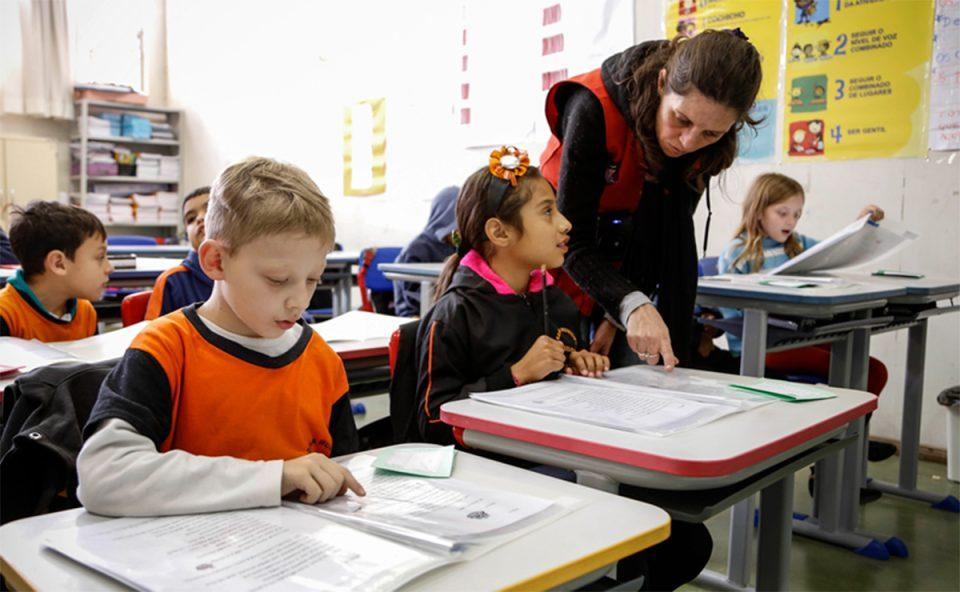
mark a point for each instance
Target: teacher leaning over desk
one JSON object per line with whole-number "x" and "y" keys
{"x": 634, "y": 145}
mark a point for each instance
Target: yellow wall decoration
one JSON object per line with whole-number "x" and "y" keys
{"x": 364, "y": 148}
{"x": 856, "y": 79}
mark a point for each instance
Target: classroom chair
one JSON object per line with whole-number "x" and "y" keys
{"x": 321, "y": 303}
{"x": 707, "y": 266}
{"x": 44, "y": 412}
{"x": 133, "y": 307}
{"x": 131, "y": 240}
{"x": 403, "y": 383}
{"x": 376, "y": 291}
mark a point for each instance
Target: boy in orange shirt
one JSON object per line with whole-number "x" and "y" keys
{"x": 63, "y": 256}
{"x": 186, "y": 283}
{"x": 235, "y": 402}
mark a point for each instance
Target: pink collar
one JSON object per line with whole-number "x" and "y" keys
{"x": 479, "y": 265}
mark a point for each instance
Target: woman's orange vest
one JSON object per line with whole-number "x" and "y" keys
{"x": 624, "y": 175}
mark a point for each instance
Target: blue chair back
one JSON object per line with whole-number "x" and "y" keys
{"x": 707, "y": 266}
{"x": 131, "y": 240}
{"x": 375, "y": 280}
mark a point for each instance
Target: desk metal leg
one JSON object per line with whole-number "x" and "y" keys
{"x": 773, "y": 546}
{"x": 910, "y": 427}
{"x": 753, "y": 357}
{"x": 426, "y": 297}
{"x": 839, "y": 478}
{"x": 752, "y": 363}
{"x": 346, "y": 287}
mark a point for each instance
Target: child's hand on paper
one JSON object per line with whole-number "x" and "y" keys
{"x": 875, "y": 213}
{"x": 317, "y": 478}
{"x": 587, "y": 364}
{"x": 544, "y": 356}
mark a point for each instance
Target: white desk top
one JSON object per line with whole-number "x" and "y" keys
{"x": 863, "y": 289}
{"x": 428, "y": 271}
{"x": 343, "y": 257}
{"x": 941, "y": 286}
{"x": 602, "y": 530}
{"x": 113, "y": 344}
{"x": 727, "y": 446}
{"x": 174, "y": 251}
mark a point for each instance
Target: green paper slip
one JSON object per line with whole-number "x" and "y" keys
{"x": 423, "y": 462}
{"x": 786, "y": 391}
{"x": 898, "y": 274}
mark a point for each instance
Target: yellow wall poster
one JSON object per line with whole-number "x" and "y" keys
{"x": 364, "y": 148}
{"x": 856, "y": 78}
{"x": 761, "y": 23}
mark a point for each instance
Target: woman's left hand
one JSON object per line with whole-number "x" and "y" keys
{"x": 875, "y": 212}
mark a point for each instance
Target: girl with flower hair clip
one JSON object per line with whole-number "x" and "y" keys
{"x": 499, "y": 321}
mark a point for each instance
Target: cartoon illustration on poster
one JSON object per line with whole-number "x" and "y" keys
{"x": 862, "y": 67}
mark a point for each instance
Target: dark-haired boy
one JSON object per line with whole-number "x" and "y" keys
{"x": 186, "y": 283}
{"x": 63, "y": 257}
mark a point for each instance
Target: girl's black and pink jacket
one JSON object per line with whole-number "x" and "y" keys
{"x": 476, "y": 331}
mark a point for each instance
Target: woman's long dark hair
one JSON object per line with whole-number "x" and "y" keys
{"x": 723, "y": 66}
{"x": 472, "y": 216}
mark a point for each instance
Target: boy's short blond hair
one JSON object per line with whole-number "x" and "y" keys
{"x": 261, "y": 196}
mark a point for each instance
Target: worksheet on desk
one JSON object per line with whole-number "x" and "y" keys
{"x": 445, "y": 515}
{"x": 358, "y": 325}
{"x": 28, "y": 354}
{"x": 683, "y": 385}
{"x": 621, "y": 407}
{"x": 266, "y": 549}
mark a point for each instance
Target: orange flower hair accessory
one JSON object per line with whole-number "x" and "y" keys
{"x": 508, "y": 163}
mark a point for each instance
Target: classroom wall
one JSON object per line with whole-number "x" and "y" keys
{"x": 273, "y": 81}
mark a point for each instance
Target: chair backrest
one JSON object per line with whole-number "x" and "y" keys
{"x": 131, "y": 240}
{"x": 403, "y": 383}
{"x": 708, "y": 266}
{"x": 133, "y": 307}
{"x": 370, "y": 278}
{"x": 54, "y": 403}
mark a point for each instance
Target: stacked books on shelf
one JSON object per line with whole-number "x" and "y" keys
{"x": 162, "y": 131}
{"x": 169, "y": 167}
{"x": 100, "y": 159}
{"x": 169, "y": 203}
{"x": 148, "y": 166}
{"x": 157, "y": 208}
{"x": 99, "y": 205}
{"x": 135, "y": 126}
{"x": 122, "y": 210}
{"x": 101, "y": 126}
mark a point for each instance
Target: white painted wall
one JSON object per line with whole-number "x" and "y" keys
{"x": 272, "y": 80}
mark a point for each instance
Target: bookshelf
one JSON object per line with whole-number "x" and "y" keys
{"x": 83, "y": 184}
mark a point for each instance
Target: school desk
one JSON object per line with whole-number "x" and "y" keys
{"x": 425, "y": 274}
{"x": 713, "y": 466}
{"x": 179, "y": 252}
{"x": 909, "y": 303}
{"x": 356, "y": 355}
{"x": 571, "y": 550}
{"x": 852, "y": 302}
{"x": 146, "y": 271}
{"x": 338, "y": 278}
{"x": 925, "y": 298}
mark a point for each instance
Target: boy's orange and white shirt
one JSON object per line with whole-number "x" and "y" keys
{"x": 209, "y": 412}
